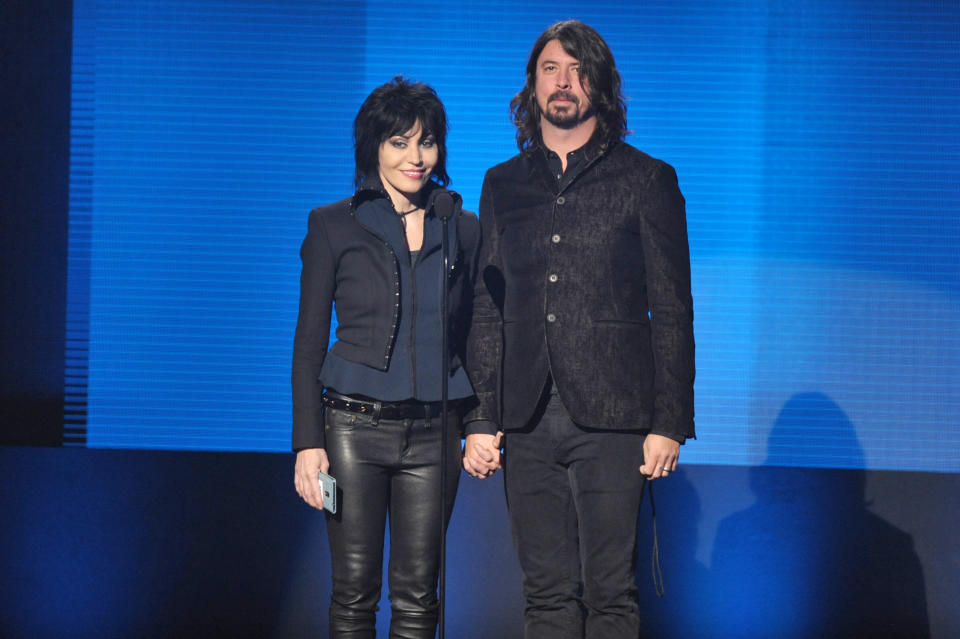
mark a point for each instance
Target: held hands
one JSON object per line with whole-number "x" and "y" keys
{"x": 310, "y": 462}
{"x": 481, "y": 454}
{"x": 660, "y": 456}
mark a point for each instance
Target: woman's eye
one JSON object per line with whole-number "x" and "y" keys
{"x": 398, "y": 144}
{"x": 428, "y": 143}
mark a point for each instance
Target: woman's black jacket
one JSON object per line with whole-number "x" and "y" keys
{"x": 349, "y": 264}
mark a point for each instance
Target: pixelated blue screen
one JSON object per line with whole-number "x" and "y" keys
{"x": 817, "y": 145}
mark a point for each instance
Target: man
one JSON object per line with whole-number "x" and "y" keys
{"x": 581, "y": 349}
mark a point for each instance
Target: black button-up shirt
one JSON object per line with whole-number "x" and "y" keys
{"x": 574, "y": 158}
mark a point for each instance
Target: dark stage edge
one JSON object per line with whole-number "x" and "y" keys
{"x": 122, "y": 543}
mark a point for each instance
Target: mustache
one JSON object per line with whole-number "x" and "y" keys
{"x": 564, "y": 95}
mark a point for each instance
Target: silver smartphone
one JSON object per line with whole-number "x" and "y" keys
{"x": 328, "y": 487}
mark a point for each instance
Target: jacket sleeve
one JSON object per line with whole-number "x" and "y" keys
{"x": 667, "y": 262}
{"x": 317, "y": 280}
{"x": 485, "y": 339}
{"x": 461, "y": 314}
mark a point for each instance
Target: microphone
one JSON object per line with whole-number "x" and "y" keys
{"x": 443, "y": 206}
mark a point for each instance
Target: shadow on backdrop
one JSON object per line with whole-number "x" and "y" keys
{"x": 679, "y": 612}
{"x": 808, "y": 558}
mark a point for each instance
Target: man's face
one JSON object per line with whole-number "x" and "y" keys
{"x": 561, "y": 94}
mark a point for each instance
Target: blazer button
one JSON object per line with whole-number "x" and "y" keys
{"x": 553, "y": 277}
{"x": 551, "y": 317}
{"x": 555, "y": 239}
{"x": 561, "y": 200}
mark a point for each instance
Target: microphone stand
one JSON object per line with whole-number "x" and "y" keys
{"x": 443, "y": 207}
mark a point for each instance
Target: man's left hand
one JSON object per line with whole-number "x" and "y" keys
{"x": 660, "y": 455}
{"x": 481, "y": 454}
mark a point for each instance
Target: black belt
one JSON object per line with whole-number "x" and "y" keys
{"x": 410, "y": 409}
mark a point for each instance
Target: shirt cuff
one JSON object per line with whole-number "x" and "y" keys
{"x": 677, "y": 438}
{"x": 480, "y": 427}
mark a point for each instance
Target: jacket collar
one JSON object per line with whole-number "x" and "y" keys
{"x": 593, "y": 151}
{"x": 372, "y": 188}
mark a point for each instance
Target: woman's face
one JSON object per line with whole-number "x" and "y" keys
{"x": 406, "y": 162}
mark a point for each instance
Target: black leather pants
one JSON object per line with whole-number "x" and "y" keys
{"x": 387, "y": 466}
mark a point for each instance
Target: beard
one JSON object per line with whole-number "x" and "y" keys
{"x": 570, "y": 116}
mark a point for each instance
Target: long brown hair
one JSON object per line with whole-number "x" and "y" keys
{"x": 597, "y": 69}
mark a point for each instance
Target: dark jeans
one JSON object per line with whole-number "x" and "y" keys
{"x": 574, "y": 497}
{"x": 387, "y": 466}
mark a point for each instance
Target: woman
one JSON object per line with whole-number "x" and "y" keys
{"x": 367, "y": 411}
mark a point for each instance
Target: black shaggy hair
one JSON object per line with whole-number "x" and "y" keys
{"x": 393, "y": 109}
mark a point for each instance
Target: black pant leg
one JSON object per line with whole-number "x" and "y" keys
{"x": 607, "y": 487}
{"x": 359, "y": 453}
{"x": 543, "y": 521}
{"x": 415, "y": 525}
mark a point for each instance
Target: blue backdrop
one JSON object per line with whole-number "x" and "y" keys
{"x": 817, "y": 144}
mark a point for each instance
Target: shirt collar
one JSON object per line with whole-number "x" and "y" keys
{"x": 372, "y": 188}
{"x": 593, "y": 149}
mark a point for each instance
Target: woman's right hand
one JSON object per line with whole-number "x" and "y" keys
{"x": 310, "y": 462}
{"x": 481, "y": 454}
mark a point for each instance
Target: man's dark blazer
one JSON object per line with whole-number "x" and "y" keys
{"x": 591, "y": 283}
